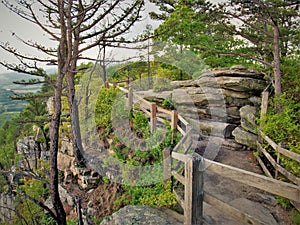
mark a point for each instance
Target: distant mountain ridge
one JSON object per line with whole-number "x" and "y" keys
{"x": 9, "y": 107}
{"x": 9, "y": 78}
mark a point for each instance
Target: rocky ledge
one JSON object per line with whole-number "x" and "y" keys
{"x": 142, "y": 215}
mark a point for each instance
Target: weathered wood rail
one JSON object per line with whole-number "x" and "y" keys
{"x": 276, "y": 162}
{"x": 195, "y": 167}
{"x": 278, "y": 150}
{"x": 151, "y": 110}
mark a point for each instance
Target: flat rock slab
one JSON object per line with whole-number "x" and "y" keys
{"x": 255, "y": 210}
{"x": 140, "y": 215}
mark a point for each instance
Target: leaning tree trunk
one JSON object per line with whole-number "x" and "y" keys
{"x": 54, "y": 138}
{"x": 276, "y": 63}
{"x": 72, "y": 46}
{"x": 75, "y": 125}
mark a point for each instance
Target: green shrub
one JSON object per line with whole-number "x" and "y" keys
{"x": 156, "y": 195}
{"x": 295, "y": 217}
{"x": 168, "y": 103}
{"x": 282, "y": 125}
{"x": 140, "y": 124}
{"x": 161, "y": 84}
{"x": 106, "y": 99}
{"x": 284, "y": 202}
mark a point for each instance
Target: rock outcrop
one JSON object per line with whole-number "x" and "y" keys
{"x": 7, "y": 213}
{"x": 221, "y": 99}
{"x": 140, "y": 215}
{"x": 219, "y": 93}
{"x": 30, "y": 150}
{"x": 246, "y": 133}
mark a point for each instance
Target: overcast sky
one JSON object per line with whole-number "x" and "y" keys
{"x": 12, "y": 24}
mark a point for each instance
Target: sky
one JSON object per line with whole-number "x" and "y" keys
{"x": 11, "y": 24}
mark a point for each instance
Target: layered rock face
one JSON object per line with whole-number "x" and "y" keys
{"x": 7, "y": 203}
{"x": 219, "y": 97}
{"x": 213, "y": 102}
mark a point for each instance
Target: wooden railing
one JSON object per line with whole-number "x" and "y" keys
{"x": 151, "y": 110}
{"x": 278, "y": 150}
{"x": 195, "y": 167}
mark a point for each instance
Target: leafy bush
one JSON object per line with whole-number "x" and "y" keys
{"x": 295, "y": 217}
{"x": 282, "y": 125}
{"x": 291, "y": 69}
{"x": 161, "y": 84}
{"x": 155, "y": 196}
{"x": 168, "y": 103}
{"x": 104, "y": 104}
{"x": 140, "y": 124}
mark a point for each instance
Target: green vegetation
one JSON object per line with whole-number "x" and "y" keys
{"x": 106, "y": 98}
{"x": 9, "y": 107}
{"x": 295, "y": 217}
{"x": 282, "y": 125}
{"x": 282, "y": 122}
{"x": 146, "y": 155}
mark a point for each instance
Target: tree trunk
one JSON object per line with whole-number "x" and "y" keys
{"x": 75, "y": 125}
{"x": 54, "y": 138}
{"x": 276, "y": 65}
{"x": 72, "y": 47}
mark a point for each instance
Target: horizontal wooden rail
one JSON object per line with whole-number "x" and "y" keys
{"x": 182, "y": 140}
{"x": 283, "y": 171}
{"x": 231, "y": 211}
{"x": 279, "y": 149}
{"x": 180, "y": 130}
{"x": 182, "y": 120}
{"x": 178, "y": 177}
{"x": 165, "y": 111}
{"x": 180, "y": 157}
{"x": 179, "y": 199}
{"x": 270, "y": 185}
{"x": 263, "y": 166}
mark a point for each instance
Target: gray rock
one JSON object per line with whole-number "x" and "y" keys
{"x": 30, "y": 149}
{"x": 255, "y": 210}
{"x": 264, "y": 198}
{"x": 65, "y": 198}
{"x": 140, "y": 215}
{"x": 66, "y": 147}
{"x": 245, "y": 138}
{"x": 7, "y": 202}
{"x": 64, "y": 161}
{"x": 248, "y": 118}
{"x": 242, "y": 84}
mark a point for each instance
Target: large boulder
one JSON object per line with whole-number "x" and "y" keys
{"x": 248, "y": 118}
{"x": 245, "y": 138}
{"x": 140, "y": 215}
{"x": 30, "y": 150}
{"x": 216, "y": 96}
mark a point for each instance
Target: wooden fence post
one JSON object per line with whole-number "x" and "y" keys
{"x": 174, "y": 122}
{"x": 263, "y": 111}
{"x": 167, "y": 165}
{"x": 193, "y": 190}
{"x": 130, "y": 99}
{"x": 153, "y": 118}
